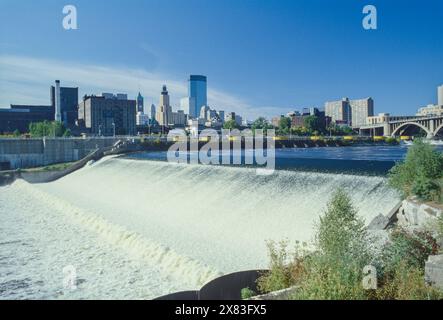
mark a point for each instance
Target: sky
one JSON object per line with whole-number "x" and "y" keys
{"x": 261, "y": 57}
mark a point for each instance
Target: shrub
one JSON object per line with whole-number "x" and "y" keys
{"x": 391, "y": 141}
{"x": 341, "y": 232}
{"x": 418, "y": 174}
{"x": 280, "y": 275}
{"x": 440, "y": 226}
{"x": 335, "y": 269}
{"x": 407, "y": 283}
{"x": 411, "y": 249}
{"x": 247, "y": 293}
{"x": 425, "y": 188}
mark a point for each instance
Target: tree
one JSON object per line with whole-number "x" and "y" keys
{"x": 419, "y": 173}
{"x": 16, "y": 133}
{"x": 284, "y": 125}
{"x": 47, "y": 129}
{"x": 67, "y": 133}
{"x": 230, "y": 125}
{"x": 341, "y": 231}
{"x": 313, "y": 123}
{"x": 261, "y": 123}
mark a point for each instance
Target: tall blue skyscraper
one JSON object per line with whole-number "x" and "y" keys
{"x": 140, "y": 104}
{"x": 198, "y": 91}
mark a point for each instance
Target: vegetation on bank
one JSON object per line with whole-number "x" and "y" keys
{"x": 420, "y": 174}
{"x": 51, "y": 167}
{"x": 343, "y": 249}
{"x": 48, "y": 129}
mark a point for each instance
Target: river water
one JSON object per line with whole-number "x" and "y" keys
{"x": 137, "y": 228}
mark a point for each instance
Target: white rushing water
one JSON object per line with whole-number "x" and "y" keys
{"x": 140, "y": 229}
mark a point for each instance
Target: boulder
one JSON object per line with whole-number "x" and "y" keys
{"x": 434, "y": 271}
{"x": 416, "y": 214}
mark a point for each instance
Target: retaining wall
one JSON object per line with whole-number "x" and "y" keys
{"x": 28, "y": 153}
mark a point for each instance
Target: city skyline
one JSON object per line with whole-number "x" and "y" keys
{"x": 288, "y": 56}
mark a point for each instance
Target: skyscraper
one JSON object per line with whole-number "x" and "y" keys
{"x": 140, "y": 105}
{"x": 187, "y": 104}
{"x": 197, "y": 91}
{"x": 152, "y": 111}
{"x": 164, "y": 111}
{"x": 440, "y": 95}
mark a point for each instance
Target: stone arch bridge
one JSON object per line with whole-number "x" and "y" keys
{"x": 397, "y": 126}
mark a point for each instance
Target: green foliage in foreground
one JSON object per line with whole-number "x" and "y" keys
{"x": 247, "y": 293}
{"x": 334, "y": 270}
{"x": 420, "y": 172}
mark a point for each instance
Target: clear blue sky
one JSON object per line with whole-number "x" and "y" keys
{"x": 269, "y": 56}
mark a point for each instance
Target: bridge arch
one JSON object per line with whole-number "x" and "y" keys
{"x": 438, "y": 129}
{"x": 406, "y": 124}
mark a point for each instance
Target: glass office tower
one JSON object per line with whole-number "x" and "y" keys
{"x": 197, "y": 91}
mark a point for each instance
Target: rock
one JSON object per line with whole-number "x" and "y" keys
{"x": 419, "y": 215}
{"x": 434, "y": 271}
{"x": 380, "y": 222}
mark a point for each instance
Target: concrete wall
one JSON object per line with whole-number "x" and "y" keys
{"x": 28, "y": 153}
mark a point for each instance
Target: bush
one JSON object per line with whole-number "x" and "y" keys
{"x": 391, "y": 141}
{"x": 47, "y": 129}
{"x": 247, "y": 293}
{"x": 418, "y": 174}
{"x": 282, "y": 269}
{"x": 412, "y": 249}
{"x": 335, "y": 269}
{"x": 407, "y": 283}
{"x": 341, "y": 232}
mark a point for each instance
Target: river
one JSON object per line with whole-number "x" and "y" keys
{"x": 136, "y": 227}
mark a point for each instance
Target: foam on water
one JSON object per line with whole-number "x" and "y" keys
{"x": 190, "y": 223}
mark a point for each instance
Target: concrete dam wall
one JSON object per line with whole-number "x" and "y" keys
{"x": 28, "y": 153}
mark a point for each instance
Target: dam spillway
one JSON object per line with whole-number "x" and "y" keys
{"x": 152, "y": 227}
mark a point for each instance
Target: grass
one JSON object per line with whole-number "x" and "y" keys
{"x": 52, "y": 167}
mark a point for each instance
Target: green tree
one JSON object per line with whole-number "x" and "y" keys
{"x": 419, "y": 173}
{"x": 16, "y": 133}
{"x": 47, "y": 129}
{"x": 284, "y": 125}
{"x": 67, "y": 133}
{"x": 313, "y": 123}
{"x": 261, "y": 123}
{"x": 341, "y": 231}
{"x": 230, "y": 124}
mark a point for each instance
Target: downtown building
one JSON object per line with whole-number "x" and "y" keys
{"x": 352, "y": 113}
{"x": 165, "y": 116}
{"x": 433, "y": 109}
{"x": 197, "y": 96}
{"x": 63, "y": 107}
{"x": 107, "y": 115}
{"x": 64, "y": 100}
